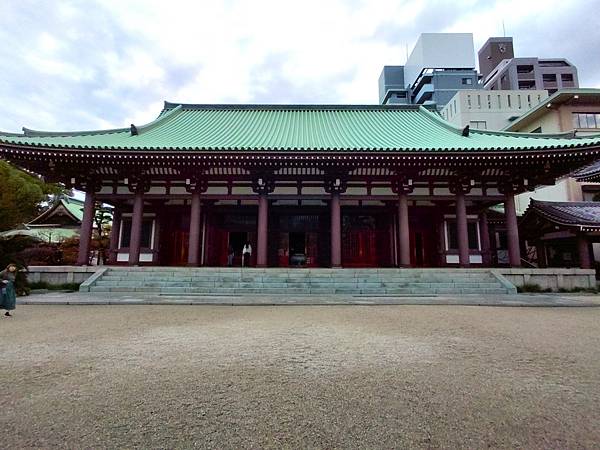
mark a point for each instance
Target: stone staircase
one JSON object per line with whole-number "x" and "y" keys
{"x": 183, "y": 281}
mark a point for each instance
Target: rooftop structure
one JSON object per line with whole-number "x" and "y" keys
{"x": 502, "y": 71}
{"x": 487, "y": 110}
{"x": 438, "y": 66}
{"x": 493, "y": 52}
{"x": 310, "y": 185}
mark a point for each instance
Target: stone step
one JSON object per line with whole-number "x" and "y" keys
{"x": 308, "y": 284}
{"x": 316, "y": 291}
{"x": 113, "y": 276}
{"x": 292, "y": 273}
{"x": 229, "y": 281}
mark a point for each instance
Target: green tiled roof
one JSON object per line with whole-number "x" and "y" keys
{"x": 295, "y": 128}
{"x": 72, "y": 206}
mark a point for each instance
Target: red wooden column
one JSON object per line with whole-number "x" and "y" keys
{"x": 512, "y": 231}
{"x": 196, "y": 186}
{"x": 460, "y": 187}
{"x": 462, "y": 231}
{"x": 136, "y": 228}
{"x": 335, "y": 184}
{"x": 85, "y": 234}
{"x": 263, "y": 184}
{"x": 403, "y": 186}
{"x": 585, "y": 261}
{"x": 263, "y": 225}
{"x": 403, "y": 230}
{"x": 113, "y": 247}
{"x": 194, "y": 239}
{"x": 336, "y": 230}
{"x": 486, "y": 252}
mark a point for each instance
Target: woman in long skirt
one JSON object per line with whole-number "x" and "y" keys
{"x": 8, "y": 297}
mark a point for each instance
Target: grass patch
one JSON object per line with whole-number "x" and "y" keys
{"x": 55, "y": 287}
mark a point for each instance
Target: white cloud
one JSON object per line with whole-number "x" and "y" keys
{"x": 110, "y": 63}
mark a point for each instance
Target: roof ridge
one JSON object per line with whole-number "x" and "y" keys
{"x": 286, "y": 107}
{"x": 168, "y": 114}
{"x": 37, "y": 133}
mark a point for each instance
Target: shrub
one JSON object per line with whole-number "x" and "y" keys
{"x": 532, "y": 287}
{"x": 55, "y": 287}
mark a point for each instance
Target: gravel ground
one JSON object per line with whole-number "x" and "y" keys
{"x": 300, "y": 377}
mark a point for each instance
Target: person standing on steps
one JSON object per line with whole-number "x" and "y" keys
{"x": 246, "y": 254}
{"x": 8, "y": 296}
{"x": 230, "y": 255}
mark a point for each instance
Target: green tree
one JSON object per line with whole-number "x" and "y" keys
{"x": 102, "y": 220}
{"x": 21, "y": 196}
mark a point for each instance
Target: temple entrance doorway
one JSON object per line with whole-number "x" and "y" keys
{"x": 237, "y": 240}
{"x": 297, "y": 249}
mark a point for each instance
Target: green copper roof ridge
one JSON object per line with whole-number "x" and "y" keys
{"x": 162, "y": 118}
{"x": 440, "y": 120}
{"x": 28, "y": 132}
{"x": 288, "y": 107}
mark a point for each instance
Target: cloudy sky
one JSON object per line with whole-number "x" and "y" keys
{"x": 68, "y": 65}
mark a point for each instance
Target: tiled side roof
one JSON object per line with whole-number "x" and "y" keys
{"x": 296, "y": 128}
{"x": 72, "y": 206}
{"x": 572, "y": 214}
{"x": 588, "y": 173}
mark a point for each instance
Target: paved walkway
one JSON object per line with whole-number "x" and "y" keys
{"x": 76, "y": 298}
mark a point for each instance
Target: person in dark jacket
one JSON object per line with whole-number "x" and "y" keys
{"x": 8, "y": 296}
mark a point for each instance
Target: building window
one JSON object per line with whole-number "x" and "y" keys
{"x": 586, "y": 120}
{"x": 508, "y": 100}
{"x": 499, "y": 102}
{"x": 478, "y": 124}
{"x": 529, "y": 101}
{"x": 549, "y": 77}
{"x": 454, "y": 106}
{"x": 566, "y": 77}
{"x": 453, "y": 235}
{"x": 479, "y": 101}
{"x": 468, "y": 81}
{"x": 525, "y": 69}
{"x": 489, "y": 101}
{"x": 146, "y": 240}
{"x": 469, "y": 101}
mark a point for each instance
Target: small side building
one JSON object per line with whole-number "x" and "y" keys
{"x": 564, "y": 234}
{"x": 61, "y": 221}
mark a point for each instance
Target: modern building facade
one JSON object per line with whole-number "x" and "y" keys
{"x": 570, "y": 111}
{"x": 502, "y": 71}
{"x": 485, "y": 110}
{"x": 307, "y": 185}
{"x": 438, "y": 66}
